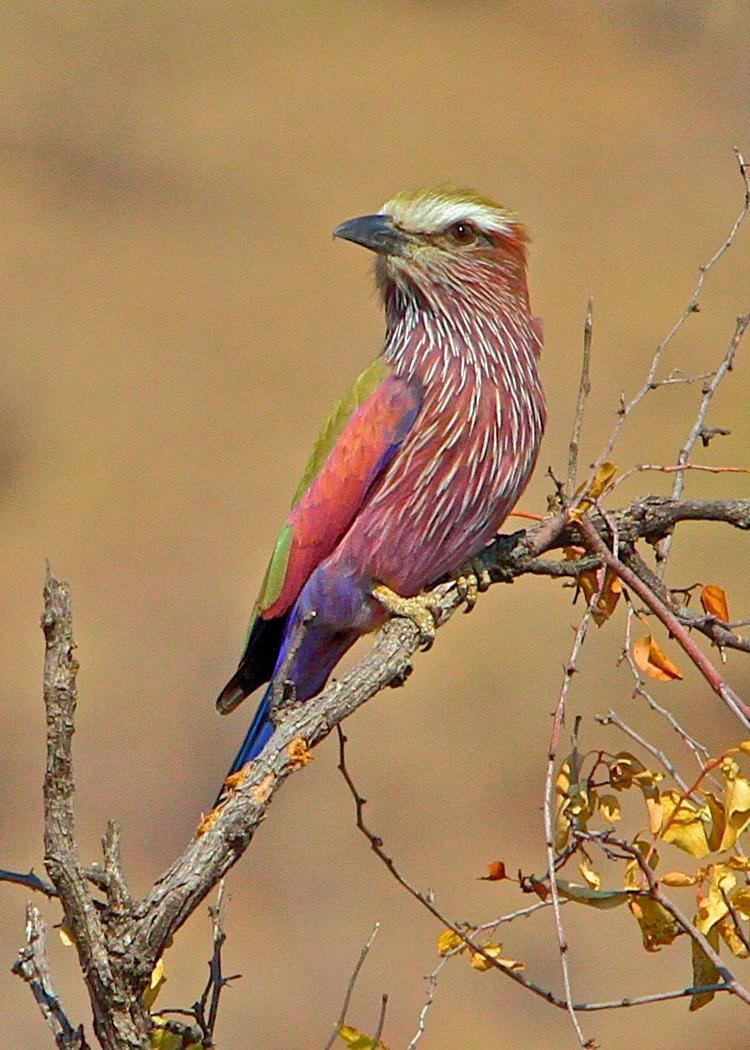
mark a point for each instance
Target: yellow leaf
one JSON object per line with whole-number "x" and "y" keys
{"x": 678, "y": 878}
{"x": 736, "y": 804}
{"x": 590, "y": 877}
{"x": 731, "y": 937}
{"x": 65, "y": 936}
{"x": 609, "y": 808}
{"x": 718, "y": 821}
{"x": 355, "y": 1039}
{"x": 449, "y": 941}
{"x": 714, "y": 602}
{"x": 649, "y": 657}
{"x": 741, "y": 900}
{"x": 562, "y": 800}
{"x": 602, "y": 609}
{"x": 684, "y": 824}
{"x": 739, "y": 863}
{"x": 603, "y": 899}
{"x": 158, "y": 977}
{"x": 657, "y": 925}
{"x": 482, "y": 964}
{"x": 599, "y": 485}
{"x": 634, "y": 877}
{"x": 712, "y": 907}
{"x": 745, "y": 747}
{"x": 161, "y": 1038}
{"x": 704, "y": 971}
{"x": 655, "y": 814}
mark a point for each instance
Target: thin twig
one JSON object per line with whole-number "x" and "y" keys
{"x": 693, "y": 306}
{"x": 350, "y": 987}
{"x": 549, "y": 824}
{"x": 698, "y": 426}
{"x": 30, "y": 881}
{"x": 612, "y": 718}
{"x": 432, "y": 982}
{"x": 676, "y": 468}
{"x": 736, "y": 920}
{"x": 381, "y": 1021}
{"x": 596, "y": 544}
{"x": 584, "y": 389}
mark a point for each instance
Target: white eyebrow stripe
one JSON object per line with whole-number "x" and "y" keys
{"x": 430, "y": 214}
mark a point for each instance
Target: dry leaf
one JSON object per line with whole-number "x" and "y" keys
{"x": 609, "y": 807}
{"x": 449, "y": 941}
{"x": 714, "y": 602}
{"x": 495, "y": 872}
{"x": 657, "y": 925}
{"x": 539, "y": 889}
{"x": 649, "y": 657}
{"x": 678, "y": 878}
{"x": 590, "y": 877}
{"x": 601, "y": 482}
{"x": 157, "y": 979}
{"x": 684, "y": 824}
{"x": 482, "y": 964}
{"x": 704, "y": 971}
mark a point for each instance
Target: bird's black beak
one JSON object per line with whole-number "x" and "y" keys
{"x": 375, "y": 232}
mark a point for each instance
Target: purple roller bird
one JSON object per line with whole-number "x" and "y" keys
{"x": 419, "y": 465}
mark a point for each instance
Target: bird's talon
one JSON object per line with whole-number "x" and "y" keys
{"x": 422, "y": 610}
{"x": 473, "y": 579}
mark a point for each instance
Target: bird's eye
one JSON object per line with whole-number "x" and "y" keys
{"x": 462, "y": 233}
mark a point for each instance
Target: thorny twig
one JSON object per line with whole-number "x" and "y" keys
{"x": 741, "y": 325}
{"x": 597, "y": 545}
{"x": 700, "y": 752}
{"x": 613, "y": 719}
{"x": 693, "y": 306}
{"x": 549, "y": 820}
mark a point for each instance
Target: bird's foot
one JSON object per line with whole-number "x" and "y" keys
{"x": 422, "y": 610}
{"x": 472, "y": 580}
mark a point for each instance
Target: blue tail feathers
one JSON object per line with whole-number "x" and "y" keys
{"x": 260, "y": 732}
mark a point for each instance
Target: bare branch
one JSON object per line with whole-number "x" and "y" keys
{"x": 32, "y": 967}
{"x": 584, "y": 389}
{"x": 120, "y": 1019}
{"x": 698, "y": 426}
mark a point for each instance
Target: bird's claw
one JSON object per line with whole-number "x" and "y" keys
{"x": 422, "y": 610}
{"x": 472, "y": 580}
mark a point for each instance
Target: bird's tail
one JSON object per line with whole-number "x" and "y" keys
{"x": 260, "y": 732}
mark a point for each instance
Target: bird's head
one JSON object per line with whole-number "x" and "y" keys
{"x": 443, "y": 240}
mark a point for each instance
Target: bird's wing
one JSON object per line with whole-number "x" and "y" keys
{"x": 357, "y": 442}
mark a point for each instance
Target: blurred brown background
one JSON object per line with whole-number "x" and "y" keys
{"x": 176, "y": 321}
